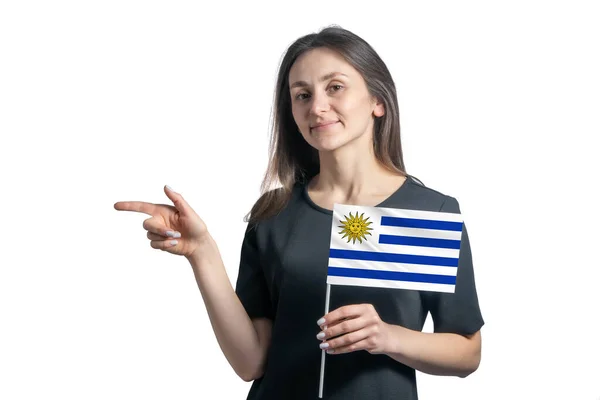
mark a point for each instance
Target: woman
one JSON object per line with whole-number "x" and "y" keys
{"x": 336, "y": 139}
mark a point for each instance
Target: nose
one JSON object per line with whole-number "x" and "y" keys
{"x": 319, "y": 104}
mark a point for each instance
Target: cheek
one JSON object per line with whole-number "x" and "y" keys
{"x": 297, "y": 114}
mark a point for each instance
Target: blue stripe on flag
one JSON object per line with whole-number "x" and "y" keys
{"x": 391, "y": 275}
{"x": 421, "y": 223}
{"x": 418, "y": 241}
{"x": 393, "y": 257}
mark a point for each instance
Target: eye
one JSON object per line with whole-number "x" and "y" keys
{"x": 299, "y": 96}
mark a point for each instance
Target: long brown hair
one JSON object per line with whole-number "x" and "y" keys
{"x": 291, "y": 159}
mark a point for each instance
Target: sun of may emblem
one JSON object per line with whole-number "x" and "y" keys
{"x": 355, "y": 228}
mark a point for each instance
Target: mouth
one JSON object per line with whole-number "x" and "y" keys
{"x": 324, "y": 126}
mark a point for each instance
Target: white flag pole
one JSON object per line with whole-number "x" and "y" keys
{"x": 323, "y": 351}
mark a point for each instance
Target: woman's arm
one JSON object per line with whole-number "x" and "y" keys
{"x": 434, "y": 353}
{"x": 244, "y": 342}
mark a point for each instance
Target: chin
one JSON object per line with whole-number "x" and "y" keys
{"x": 328, "y": 143}
{"x": 333, "y": 141}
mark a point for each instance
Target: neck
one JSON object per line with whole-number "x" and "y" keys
{"x": 351, "y": 171}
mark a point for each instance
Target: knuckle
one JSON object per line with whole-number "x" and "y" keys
{"x": 353, "y": 338}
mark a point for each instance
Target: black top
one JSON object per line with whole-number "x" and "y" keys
{"x": 282, "y": 276}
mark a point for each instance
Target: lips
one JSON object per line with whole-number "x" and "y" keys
{"x": 323, "y": 124}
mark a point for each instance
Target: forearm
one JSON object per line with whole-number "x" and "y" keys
{"x": 233, "y": 329}
{"x": 434, "y": 353}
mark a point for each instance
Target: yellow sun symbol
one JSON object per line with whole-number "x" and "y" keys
{"x": 355, "y": 228}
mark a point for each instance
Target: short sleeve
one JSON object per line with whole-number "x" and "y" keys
{"x": 457, "y": 312}
{"x": 251, "y": 287}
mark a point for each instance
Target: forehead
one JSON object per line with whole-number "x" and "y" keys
{"x": 315, "y": 63}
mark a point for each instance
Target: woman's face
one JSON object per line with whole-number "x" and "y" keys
{"x": 325, "y": 89}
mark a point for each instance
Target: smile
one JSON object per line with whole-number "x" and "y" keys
{"x": 325, "y": 127}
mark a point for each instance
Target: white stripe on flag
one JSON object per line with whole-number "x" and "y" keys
{"x": 418, "y": 232}
{"x": 431, "y": 287}
{"x": 394, "y": 267}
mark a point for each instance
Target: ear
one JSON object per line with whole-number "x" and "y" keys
{"x": 379, "y": 110}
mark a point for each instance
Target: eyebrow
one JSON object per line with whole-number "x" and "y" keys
{"x": 323, "y": 78}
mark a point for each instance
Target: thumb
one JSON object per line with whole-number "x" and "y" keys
{"x": 180, "y": 204}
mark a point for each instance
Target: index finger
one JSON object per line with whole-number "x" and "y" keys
{"x": 342, "y": 313}
{"x": 137, "y": 206}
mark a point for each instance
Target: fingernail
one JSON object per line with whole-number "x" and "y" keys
{"x": 173, "y": 242}
{"x": 177, "y": 235}
{"x": 171, "y": 189}
{"x": 170, "y": 233}
{"x": 324, "y": 345}
{"x": 321, "y": 321}
{"x": 321, "y": 335}
{"x": 329, "y": 351}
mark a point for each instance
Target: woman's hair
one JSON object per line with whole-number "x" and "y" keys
{"x": 291, "y": 159}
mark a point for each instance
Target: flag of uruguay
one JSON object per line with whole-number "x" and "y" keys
{"x": 394, "y": 248}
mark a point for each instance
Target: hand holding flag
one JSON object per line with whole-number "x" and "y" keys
{"x": 352, "y": 328}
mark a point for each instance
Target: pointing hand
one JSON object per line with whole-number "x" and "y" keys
{"x": 168, "y": 223}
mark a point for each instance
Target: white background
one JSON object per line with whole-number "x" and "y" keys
{"x": 108, "y": 101}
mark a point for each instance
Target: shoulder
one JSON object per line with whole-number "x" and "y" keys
{"x": 271, "y": 233}
{"x": 283, "y": 201}
{"x": 427, "y": 198}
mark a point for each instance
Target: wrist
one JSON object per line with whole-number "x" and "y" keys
{"x": 205, "y": 251}
{"x": 397, "y": 339}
